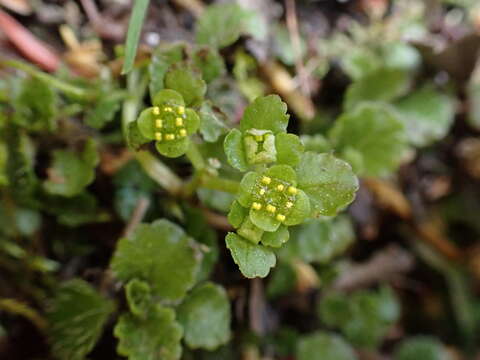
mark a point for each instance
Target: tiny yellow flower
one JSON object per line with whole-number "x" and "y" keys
{"x": 168, "y": 108}
{"x": 271, "y": 208}
{"x": 181, "y": 110}
{"x": 183, "y": 132}
{"x": 289, "y": 204}
{"x": 170, "y": 137}
{"x": 156, "y": 110}
{"x": 179, "y": 121}
{"x": 262, "y": 191}
{"x": 158, "y": 136}
{"x": 266, "y": 180}
{"x": 256, "y": 206}
{"x": 292, "y": 190}
{"x": 280, "y": 187}
{"x": 159, "y": 123}
{"x": 280, "y": 217}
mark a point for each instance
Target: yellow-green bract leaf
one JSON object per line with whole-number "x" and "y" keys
{"x": 324, "y": 346}
{"x": 253, "y": 260}
{"x": 70, "y": 172}
{"x": 138, "y": 297}
{"x": 160, "y": 254}
{"x": 157, "y": 337}
{"x": 277, "y": 238}
{"x": 289, "y": 149}
{"x": 187, "y": 81}
{"x": 374, "y": 131}
{"x": 381, "y": 85}
{"x": 36, "y": 106}
{"x": 234, "y": 150}
{"x": 427, "y": 115}
{"x": 329, "y": 182}
{"x": 221, "y": 24}
{"x": 205, "y": 317}
{"x": 421, "y": 347}
{"x": 76, "y": 316}
{"x": 265, "y": 113}
{"x": 319, "y": 240}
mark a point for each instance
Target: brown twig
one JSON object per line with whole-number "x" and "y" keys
{"x": 104, "y": 27}
{"x": 137, "y": 216}
{"x": 292, "y": 26}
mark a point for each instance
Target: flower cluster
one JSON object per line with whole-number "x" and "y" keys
{"x": 169, "y": 123}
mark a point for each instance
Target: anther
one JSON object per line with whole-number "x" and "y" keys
{"x": 271, "y": 208}
{"x": 289, "y": 204}
{"x": 292, "y": 190}
{"x": 256, "y": 206}
{"x": 158, "y": 136}
{"x": 266, "y": 180}
{"x": 159, "y": 123}
{"x": 280, "y": 187}
{"x": 280, "y": 217}
{"x": 168, "y": 108}
{"x": 179, "y": 121}
{"x": 181, "y": 110}
{"x": 156, "y": 110}
{"x": 262, "y": 191}
{"x": 183, "y": 132}
{"x": 170, "y": 137}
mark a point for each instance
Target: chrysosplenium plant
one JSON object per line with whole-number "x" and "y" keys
{"x": 282, "y": 185}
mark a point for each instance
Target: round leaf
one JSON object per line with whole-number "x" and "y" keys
{"x": 146, "y": 123}
{"x": 265, "y": 113}
{"x": 324, "y": 346}
{"x": 277, "y": 238}
{"x": 174, "y": 148}
{"x": 282, "y": 172}
{"x": 300, "y": 210}
{"x": 264, "y": 220}
{"x": 233, "y": 147}
{"x": 247, "y": 185}
{"x": 168, "y": 97}
{"x": 289, "y": 149}
{"x": 192, "y": 121}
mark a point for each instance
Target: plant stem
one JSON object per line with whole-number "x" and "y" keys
{"x": 216, "y": 183}
{"x": 69, "y": 89}
{"x": 193, "y": 154}
{"x": 159, "y": 172}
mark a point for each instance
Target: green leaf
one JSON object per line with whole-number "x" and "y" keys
{"x": 381, "y": 85}
{"x": 210, "y": 62}
{"x": 265, "y": 113}
{"x": 162, "y": 59}
{"x": 253, "y": 260}
{"x": 157, "y": 337}
{"x": 374, "y": 131}
{"x": 233, "y": 146}
{"x": 247, "y": 186}
{"x": 237, "y": 214}
{"x": 104, "y": 111}
{"x": 248, "y": 230}
{"x": 359, "y": 62}
{"x": 36, "y": 105}
{"x": 173, "y": 149}
{"x": 282, "y": 281}
{"x": 334, "y": 310}
{"x": 168, "y": 97}
{"x": 421, "y": 347}
{"x": 427, "y": 115}
{"x": 221, "y": 25}
{"x": 319, "y": 240}
{"x": 212, "y": 122}
{"x": 151, "y": 252}
{"x": 324, "y": 346}
{"x": 401, "y": 55}
{"x": 70, "y": 172}
{"x": 187, "y": 82}
{"x": 277, "y": 238}
{"x": 289, "y": 149}
{"x": 77, "y": 315}
{"x": 138, "y": 297}
{"x": 134, "y": 137}
{"x": 205, "y": 317}
{"x": 329, "y": 182}
{"x": 134, "y": 29}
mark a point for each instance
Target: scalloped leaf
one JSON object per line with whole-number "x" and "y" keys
{"x": 253, "y": 260}
{"x": 234, "y": 150}
{"x": 375, "y": 132}
{"x": 427, "y": 115}
{"x": 157, "y": 337}
{"x": 151, "y": 253}
{"x": 205, "y": 317}
{"x": 212, "y": 124}
{"x": 329, "y": 182}
{"x": 324, "y": 346}
{"x": 77, "y": 315}
{"x": 162, "y": 59}
{"x": 138, "y": 295}
{"x": 188, "y": 82}
{"x": 265, "y": 113}
{"x": 421, "y": 347}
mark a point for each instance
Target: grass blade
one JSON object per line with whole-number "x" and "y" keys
{"x": 133, "y": 35}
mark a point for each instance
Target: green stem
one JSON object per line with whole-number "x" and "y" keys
{"x": 159, "y": 172}
{"x": 216, "y": 183}
{"x": 193, "y": 154}
{"x": 49, "y": 79}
